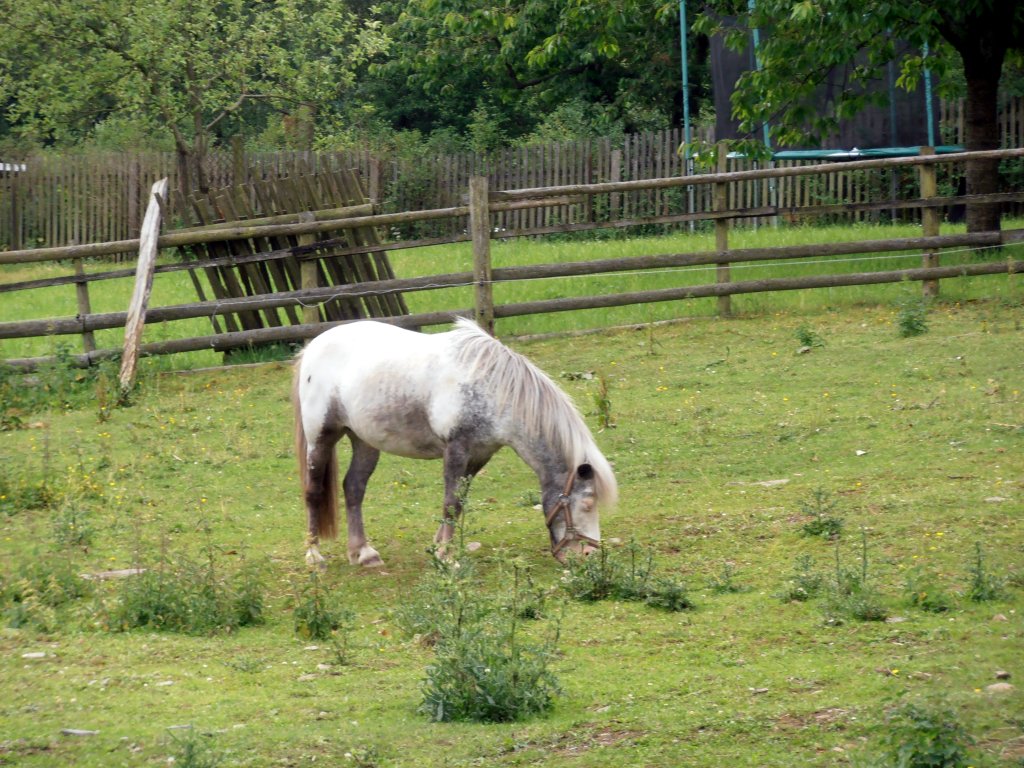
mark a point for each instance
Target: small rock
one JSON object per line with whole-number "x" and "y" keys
{"x": 860, "y": 453}
{"x": 998, "y": 688}
{"x": 1000, "y": 617}
{"x": 473, "y": 546}
{"x": 758, "y": 691}
{"x": 77, "y": 732}
{"x": 1002, "y": 674}
{"x": 34, "y": 655}
{"x": 895, "y": 619}
{"x": 307, "y": 678}
{"x": 803, "y": 350}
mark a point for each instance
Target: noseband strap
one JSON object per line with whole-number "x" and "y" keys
{"x": 571, "y": 533}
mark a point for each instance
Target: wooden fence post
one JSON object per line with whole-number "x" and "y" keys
{"x": 722, "y": 228}
{"x": 238, "y": 173}
{"x": 84, "y": 307}
{"x": 929, "y": 223}
{"x": 143, "y": 286}
{"x": 16, "y": 242}
{"x": 309, "y": 272}
{"x": 614, "y": 175}
{"x": 480, "y": 230}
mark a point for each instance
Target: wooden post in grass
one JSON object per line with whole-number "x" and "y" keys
{"x": 929, "y": 222}
{"x": 309, "y": 273}
{"x": 480, "y": 230}
{"x": 136, "y": 319}
{"x": 84, "y": 307}
{"x": 722, "y": 228}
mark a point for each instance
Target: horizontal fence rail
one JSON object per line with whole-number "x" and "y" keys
{"x": 483, "y": 208}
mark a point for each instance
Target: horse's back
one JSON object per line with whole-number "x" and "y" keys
{"x": 378, "y": 381}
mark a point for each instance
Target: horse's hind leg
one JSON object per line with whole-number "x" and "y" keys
{"x": 364, "y": 461}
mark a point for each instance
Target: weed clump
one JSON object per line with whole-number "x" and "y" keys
{"x": 820, "y": 506}
{"x": 179, "y": 594}
{"x": 919, "y": 735}
{"x": 318, "y": 615}
{"x": 807, "y": 338}
{"x": 924, "y": 593}
{"x": 610, "y": 576}
{"x": 984, "y": 586}
{"x": 912, "y": 317}
{"x": 31, "y": 599}
{"x": 852, "y": 595}
{"x": 193, "y": 750}
{"x": 804, "y": 583}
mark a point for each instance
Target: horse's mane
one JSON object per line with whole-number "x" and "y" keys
{"x": 542, "y": 406}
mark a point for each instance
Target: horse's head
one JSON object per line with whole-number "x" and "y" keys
{"x": 572, "y": 515}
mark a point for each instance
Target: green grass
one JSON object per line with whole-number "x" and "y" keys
{"x": 176, "y": 288}
{"x": 723, "y": 434}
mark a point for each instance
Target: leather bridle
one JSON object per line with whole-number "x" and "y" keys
{"x": 571, "y": 534}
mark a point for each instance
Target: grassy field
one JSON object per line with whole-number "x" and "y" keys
{"x": 176, "y": 288}
{"x": 726, "y": 440}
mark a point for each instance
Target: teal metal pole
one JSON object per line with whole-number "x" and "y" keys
{"x": 928, "y": 99}
{"x": 686, "y": 72}
{"x": 757, "y": 62}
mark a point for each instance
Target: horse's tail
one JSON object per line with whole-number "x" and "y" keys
{"x": 323, "y": 506}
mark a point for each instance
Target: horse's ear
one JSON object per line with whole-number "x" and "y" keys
{"x": 584, "y": 472}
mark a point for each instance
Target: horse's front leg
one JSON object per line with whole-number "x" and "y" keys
{"x": 364, "y": 461}
{"x": 456, "y": 474}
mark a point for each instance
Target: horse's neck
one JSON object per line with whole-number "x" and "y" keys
{"x": 544, "y": 459}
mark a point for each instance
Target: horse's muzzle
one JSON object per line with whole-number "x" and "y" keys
{"x": 577, "y": 547}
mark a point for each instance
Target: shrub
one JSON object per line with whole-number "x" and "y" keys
{"x": 922, "y": 736}
{"x": 484, "y": 671}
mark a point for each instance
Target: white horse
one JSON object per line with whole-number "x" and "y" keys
{"x": 457, "y": 396}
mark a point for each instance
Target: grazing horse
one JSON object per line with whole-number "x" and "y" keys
{"x": 458, "y": 396}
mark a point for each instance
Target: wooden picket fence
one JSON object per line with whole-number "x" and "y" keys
{"x": 246, "y": 249}
{"x": 98, "y": 197}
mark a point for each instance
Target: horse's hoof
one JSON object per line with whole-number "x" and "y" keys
{"x": 315, "y": 560}
{"x": 367, "y": 557}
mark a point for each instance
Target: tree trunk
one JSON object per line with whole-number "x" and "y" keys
{"x": 982, "y": 132}
{"x": 982, "y": 47}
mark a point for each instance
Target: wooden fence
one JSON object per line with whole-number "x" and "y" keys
{"x": 483, "y": 209}
{"x": 95, "y": 197}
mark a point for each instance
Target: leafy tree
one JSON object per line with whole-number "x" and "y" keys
{"x": 523, "y": 59}
{"x": 805, "y": 39}
{"x": 192, "y": 69}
